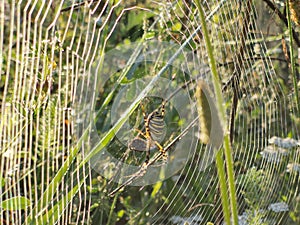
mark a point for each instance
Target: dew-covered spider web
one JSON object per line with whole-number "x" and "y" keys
{"x": 109, "y": 112}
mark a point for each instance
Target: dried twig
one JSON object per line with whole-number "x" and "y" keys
{"x": 235, "y": 79}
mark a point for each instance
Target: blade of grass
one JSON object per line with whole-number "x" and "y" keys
{"x": 223, "y": 188}
{"x": 112, "y": 208}
{"x": 51, "y": 189}
{"x": 52, "y": 215}
{"x": 221, "y": 109}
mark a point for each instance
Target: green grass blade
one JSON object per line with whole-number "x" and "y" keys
{"x": 221, "y": 109}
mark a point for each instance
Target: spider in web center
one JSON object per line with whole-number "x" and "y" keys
{"x": 154, "y": 128}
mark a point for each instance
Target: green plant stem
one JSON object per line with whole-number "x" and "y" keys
{"x": 293, "y": 69}
{"x": 222, "y": 180}
{"x": 221, "y": 109}
{"x": 112, "y": 209}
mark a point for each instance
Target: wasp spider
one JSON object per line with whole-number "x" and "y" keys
{"x": 154, "y": 129}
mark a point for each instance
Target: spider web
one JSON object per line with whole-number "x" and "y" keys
{"x": 50, "y": 53}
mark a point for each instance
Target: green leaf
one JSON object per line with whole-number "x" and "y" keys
{"x": 15, "y": 203}
{"x": 55, "y": 212}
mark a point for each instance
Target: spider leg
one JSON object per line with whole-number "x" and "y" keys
{"x": 146, "y": 122}
{"x": 147, "y": 135}
{"x": 162, "y": 151}
{"x": 163, "y": 103}
{"x": 147, "y": 152}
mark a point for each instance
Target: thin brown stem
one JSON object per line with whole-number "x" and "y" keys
{"x": 238, "y": 67}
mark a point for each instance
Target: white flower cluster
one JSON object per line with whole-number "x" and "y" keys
{"x": 284, "y": 142}
{"x": 293, "y": 167}
{"x": 278, "y": 148}
{"x": 279, "y": 207}
{"x": 244, "y": 218}
{"x": 178, "y": 220}
{"x": 273, "y": 154}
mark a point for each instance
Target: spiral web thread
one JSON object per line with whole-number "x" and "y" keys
{"x": 47, "y": 47}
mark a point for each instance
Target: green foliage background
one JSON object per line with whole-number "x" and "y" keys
{"x": 47, "y": 48}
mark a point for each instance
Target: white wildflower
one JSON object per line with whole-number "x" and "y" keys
{"x": 279, "y": 207}
{"x": 284, "y": 142}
